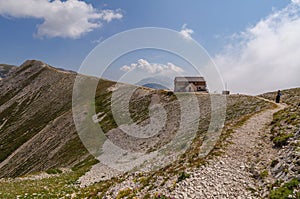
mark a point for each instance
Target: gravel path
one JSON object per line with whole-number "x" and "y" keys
{"x": 231, "y": 175}
{"x": 234, "y": 174}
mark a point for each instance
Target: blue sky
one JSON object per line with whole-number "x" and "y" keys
{"x": 214, "y": 25}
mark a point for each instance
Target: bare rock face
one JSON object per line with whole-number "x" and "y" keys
{"x": 36, "y": 126}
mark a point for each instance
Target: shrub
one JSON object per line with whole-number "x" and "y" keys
{"x": 53, "y": 171}
{"x": 263, "y": 174}
{"x": 182, "y": 176}
{"x": 281, "y": 140}
{"x": 124, "y": 193}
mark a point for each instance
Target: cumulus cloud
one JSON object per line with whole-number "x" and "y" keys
{"x": 71, "y": 18}
{"x": 264, "y": 57}
{"x": 153, "y": 68}
{"x": 186, "y": 32}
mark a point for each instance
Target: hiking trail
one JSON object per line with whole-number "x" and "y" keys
{"x": 232, "y": 175}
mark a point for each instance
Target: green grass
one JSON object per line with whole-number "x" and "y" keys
{"x": 283, "y": 127}
{"x": 289, "y": 96}
{"x": 285, "y": 123}
{"x": 53, "y": 187}
{"x": 182, "y": 176}
{"x": 125, "y": 193}
{"x": 281, "y": 140}
{"x": 54, "y": 171}
{"x": 264, "y": 174}
{"x": 285, "y": 190}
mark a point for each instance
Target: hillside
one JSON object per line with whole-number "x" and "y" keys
{"x": 289, "y": 96}
{"x": 285, "y": 135}
{"x": 5, "y": 69}
{"x": 37, "y": 132}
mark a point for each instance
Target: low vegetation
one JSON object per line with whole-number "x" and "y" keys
{"x": 182, "y": 176}
{"x": 286, "y": 191}
{"x": 284, "y": 128}
{"x": 66, "y": 183}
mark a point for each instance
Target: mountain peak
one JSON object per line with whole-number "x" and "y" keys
{"x": 33, "y": 63}
{"x": 36, "y": 64}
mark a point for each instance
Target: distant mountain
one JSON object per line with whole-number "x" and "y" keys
{"x": 157, "y": 82}
{"x": 5, "y": 69}
{"x": 155, "y": 86}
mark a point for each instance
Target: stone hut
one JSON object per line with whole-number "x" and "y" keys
{"x": 190, "y": 84}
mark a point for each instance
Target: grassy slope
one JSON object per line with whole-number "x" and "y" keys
{"x": 287, "y": 121}
{"x": 35, "y": 105}
{"x": 239, "y": 109}
{"x": 289, "y": 96}
{"x": 284, "y": 126}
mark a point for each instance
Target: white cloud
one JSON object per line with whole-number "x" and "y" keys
{"x": 266, "y": 56}
{"x": 296, "y": 1}
{"x": 186, "y": 32}
{"x": 71, "y": 18}
{"x": 153, "y": 68}
{"x": 109, "y": 15}
{"x": 98, "y": 41}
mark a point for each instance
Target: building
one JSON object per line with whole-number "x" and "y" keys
{"x": 190, "y": 84}
{"x": 226, "y": 92}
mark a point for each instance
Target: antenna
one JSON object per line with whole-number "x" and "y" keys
{"x": 226, "y": 91}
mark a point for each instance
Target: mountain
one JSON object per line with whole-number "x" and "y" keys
{"x": 38, "y": 136}
{"x": 5, "y": 69}
{"x": 37, "y": 131}
{"x": 36, "y": 126}
{"x": 157, "y": 82}
{"x": 155, "y": 86}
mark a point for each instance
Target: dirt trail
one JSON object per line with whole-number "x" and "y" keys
{"x": 231, "y": 175}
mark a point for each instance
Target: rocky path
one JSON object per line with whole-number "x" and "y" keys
{"x": 233, "y": 174}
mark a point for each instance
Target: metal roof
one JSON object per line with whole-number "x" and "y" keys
{"x": 189, "y": 79}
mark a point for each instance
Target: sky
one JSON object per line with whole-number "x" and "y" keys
{"x": 255, "y": 44}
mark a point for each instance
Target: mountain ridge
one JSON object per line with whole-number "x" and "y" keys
{"x": 32, "y": 99}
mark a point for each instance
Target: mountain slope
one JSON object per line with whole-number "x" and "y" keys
{"x": 37, "y": 132}
{"x": 289, "y": 96}
{"x": 36, "y": 120}
{"x": 5, "y": 69}
{"x": 285, "y": 135}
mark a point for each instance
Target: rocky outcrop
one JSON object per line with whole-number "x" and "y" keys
{"x": 287, "y": 165}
